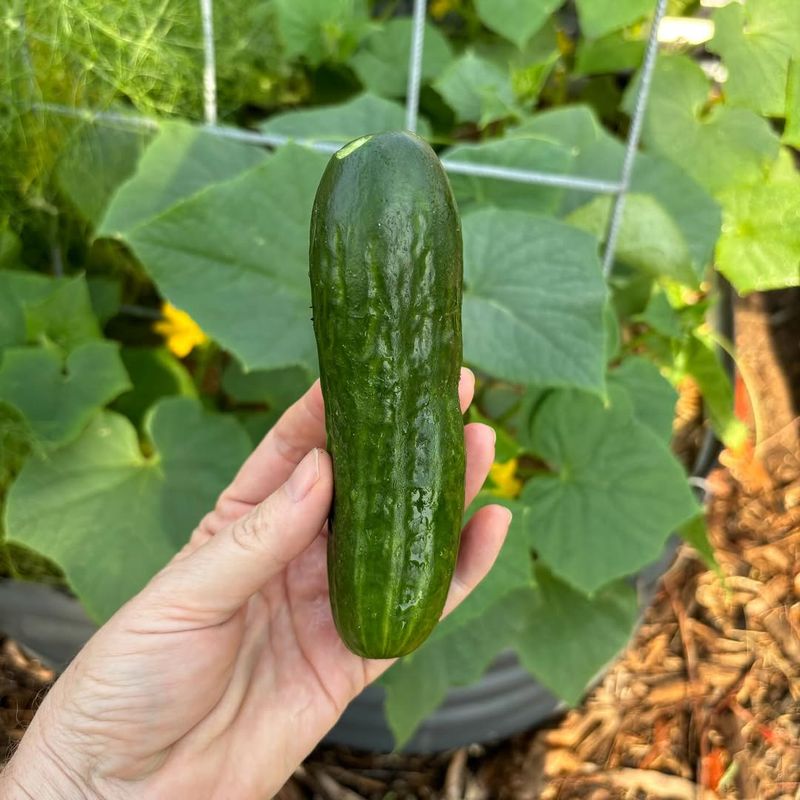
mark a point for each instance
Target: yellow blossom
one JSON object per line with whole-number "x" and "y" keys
{"x": 182, "y": 333}
{"x": 503, "y": 475}
{"x": 439, "y": 8}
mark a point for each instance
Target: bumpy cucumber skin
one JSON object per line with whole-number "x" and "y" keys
{"x": 386, "y": 275}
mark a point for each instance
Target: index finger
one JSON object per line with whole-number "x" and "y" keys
{"x": 300, "y": 429}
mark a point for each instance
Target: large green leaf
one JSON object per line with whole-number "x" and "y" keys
{"x": 111, "y": 517}
{"x": 652, "y": 395}
{"x": 692, "y": 208}
{"x": 365, "y": 113}
{"x": 517, "y": 20}
{"x": 517, "y": 152}
{"x": 477, "y": 89}
{"x": 760, "y": 244}
{"x": 381, "y": 62}
{"x": 568, "y": 638}
{"x": 756, "y": 42}
{"x": 615, "y": 495}
{"x": 28, "y": 288}
{"x": 597, "y": 154}
{"x": 56, "y": 396}
{"x": 720, "y": 146}
{"x": 235, "y": 257}
{"x": 464, "y": 644}
{"x": 181, "y": 161}
{"x": 599, "y": 17}
{"x": 321, "y": 30}
{"x": 575, "y": 126}
{"x": 649, "y": 240}
{"x": 533, "y": 300}
{"x": 55, "y": 310}
{"x": 95, "y": 162}
{"x": 65, "y": 316}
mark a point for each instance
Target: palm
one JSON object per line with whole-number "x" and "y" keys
{"x": 224, "y": 700}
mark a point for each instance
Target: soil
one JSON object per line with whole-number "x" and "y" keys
{"x": 705, "y": 702}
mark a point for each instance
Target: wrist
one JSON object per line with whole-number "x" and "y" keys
{"x": 33, "y": 774}
{"x": 38, "y": 770}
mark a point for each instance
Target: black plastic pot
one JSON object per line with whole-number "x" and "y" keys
{"x": 52, "y": 625}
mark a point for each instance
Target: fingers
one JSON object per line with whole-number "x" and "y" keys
{"x": 479, "y": 444}
{"x": 481, "y": 540}
{"x": 216, "y": 579}
{"x": 301, "y": 428}
{"x": 466, "y": 388}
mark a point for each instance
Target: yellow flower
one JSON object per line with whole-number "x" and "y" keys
{"x": 503, "y": 475}
{"x": 182, "y": 333}
{"x": 439, "y": 8}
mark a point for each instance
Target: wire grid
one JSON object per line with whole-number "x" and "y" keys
{"x": 618, "y": 189}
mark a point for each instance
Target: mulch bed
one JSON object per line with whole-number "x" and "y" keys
{"x": 705, "y": 703}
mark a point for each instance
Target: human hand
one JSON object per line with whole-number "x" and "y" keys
{"x": 224, "y": 672}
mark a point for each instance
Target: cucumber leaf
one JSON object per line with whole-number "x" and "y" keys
{"x": 599, "y": 17}
{"x": 342, "y": 122}
{"x": 756, "y": 43}
{"x": 717, "y": 145}
{"x": 614, "y": 481}
{"x": 649, "y": 240}
{"x": 381, "y": 61}
{"x": 534, "y": 297}
{"x": 211, "y": 255}
{"x": 106, "y": 513}
{"x": 652, "y": 395}
{"x": 58, "y": 396}
{"x": 570, "y": 637}
{"x": 760, "y": 244}
{"x": 477, "y": 89}
{"x": 516, "y": 20}
{"x": 523, "y": 152}
{"x": 180, "y": 162}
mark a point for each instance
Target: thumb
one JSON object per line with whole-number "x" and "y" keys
{"x": 220, "y": 576}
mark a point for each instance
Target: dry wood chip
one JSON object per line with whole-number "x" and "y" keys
{"x": 658, "y": 785}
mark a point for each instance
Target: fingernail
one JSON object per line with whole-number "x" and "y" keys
{"x": 305, "y": 475}
{"x": 494, "y": 435}
{"x": 510, "y": 516}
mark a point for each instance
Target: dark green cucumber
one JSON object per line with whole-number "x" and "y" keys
{"x": 386, "y": 271}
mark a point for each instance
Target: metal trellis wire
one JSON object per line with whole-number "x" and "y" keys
{"x": 617, "y": 189}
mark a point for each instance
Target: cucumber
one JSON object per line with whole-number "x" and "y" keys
{"x": 386, "y": 274}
